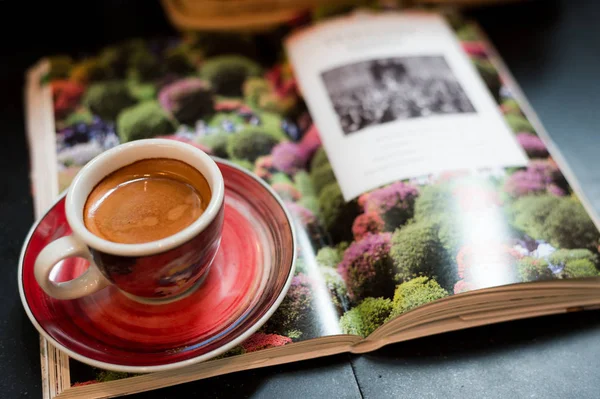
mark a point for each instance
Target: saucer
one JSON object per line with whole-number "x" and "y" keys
{"x": 246, "y": 283}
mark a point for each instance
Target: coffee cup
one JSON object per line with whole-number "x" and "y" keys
{"x": 157, "y": 271}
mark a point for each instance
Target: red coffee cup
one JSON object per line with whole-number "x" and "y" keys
{"x": 155, "y": 272}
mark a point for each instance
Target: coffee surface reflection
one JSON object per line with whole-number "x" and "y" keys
{"x": 146, "y": 201}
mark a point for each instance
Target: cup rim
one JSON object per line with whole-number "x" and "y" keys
{"x": 75, "y": 216}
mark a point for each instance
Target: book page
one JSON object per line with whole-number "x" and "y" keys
{"x": 394, "y": 96}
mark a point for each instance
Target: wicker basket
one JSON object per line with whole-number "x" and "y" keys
{"x": 235, "y": 14}
{"x": 199, "y": 15}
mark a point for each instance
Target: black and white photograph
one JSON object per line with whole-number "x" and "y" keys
{"x": 374, "y": 92}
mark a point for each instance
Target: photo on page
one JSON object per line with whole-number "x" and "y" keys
{"x": 389, "y": 89}
{"x": 394, "y": 97}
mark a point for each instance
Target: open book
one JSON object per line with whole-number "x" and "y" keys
{"x": 425, "y": 195}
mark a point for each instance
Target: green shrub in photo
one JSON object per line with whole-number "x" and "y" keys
{"x": 178, "y": 60}
{"x": 82, "y": 115}
{"x": 304, "y": 184}
{"x": 529, "y": 213}
{"x": 227, "y": 73}
{"x": 518, "y": 123}
{"x": 569, "y": 226}
{"x": 272, "y": 102}
{"x": 511, "y": 106}
{"x": 337, "y": 214}
{"x": 254, "y": 88}
{"x": 575, "y": 263}
{"x": 281, "y": 178}
{"x": 579, "y": 268}
{"x": 366, "y": 317}
{"x": 561, "y": 221}
{"x": 414, "y": 293}
{"x": 271, "y": 123}
{"x": 227, "y": 122}
{"x": 143, "y": 121}
{"x": 300, "y": 265}
{"x": 217, "y": 143}
{"x": 534, "y": 269}
{"x": 322, "y": 177}
{"x": 319, "y": 159}
{"x": 562, "y": 256}
{"x": 114, "y": 60}
{"x": 433, "y": 200}
{"x": 311, "y": 203}
{"x": 329, "y": 257}
{"x": 337, "y": 289}
{"x": 250, "y": 144}
{"x": 143, "y": 65}
{"x": 418, "y": 251}
{"x": 142, "y": 91}
{"x": 450, "y": 232}
{"x": 259, "y": 93}
{"x": 107, "y": 99}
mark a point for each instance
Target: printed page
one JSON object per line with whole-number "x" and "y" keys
{"x": 394, "y": 96}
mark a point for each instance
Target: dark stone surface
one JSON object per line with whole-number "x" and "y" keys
{"x": 552, "y": 49}
{"x": 550, "y": 357}
{"x": 330, "y": 377}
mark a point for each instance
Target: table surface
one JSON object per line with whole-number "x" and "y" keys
{"x": 552, "y": 49}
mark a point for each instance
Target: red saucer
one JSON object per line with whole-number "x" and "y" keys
{"x": 247, "y": 281}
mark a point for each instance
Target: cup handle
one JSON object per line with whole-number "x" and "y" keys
{"x": 89, "y": 282}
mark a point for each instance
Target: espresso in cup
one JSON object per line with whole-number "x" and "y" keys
{"x": 149, "y": 225}
{"x": 146, "y": 201}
